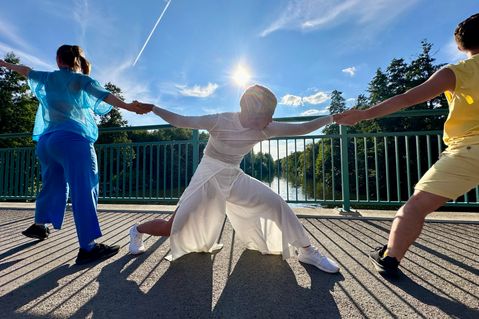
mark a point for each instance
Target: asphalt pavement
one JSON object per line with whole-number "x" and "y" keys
{"x": 38, "y": 279}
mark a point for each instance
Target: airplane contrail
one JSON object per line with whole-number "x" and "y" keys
{"x": 151, "y": 33}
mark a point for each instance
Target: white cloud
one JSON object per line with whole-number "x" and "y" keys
{"x": 317, "y": 98}
{"x": 89, "y": 19}
{"x": 82, "y": 16}
{"x": 26, "y": 58}
{"x": 307, "y": 15}
{"x": 292, "y": 100}
{"x": 314, "y": 21}
{"x": 119, "y": 73}
{"x": 351, "y": 70}
{"x": 197, "y": 90}
{"x": 313, "y": 112}
{"x": 9, "y": 31}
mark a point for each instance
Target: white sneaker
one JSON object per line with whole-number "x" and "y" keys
{"x": 315, "y": 258}
{"x": 136, "y": 241}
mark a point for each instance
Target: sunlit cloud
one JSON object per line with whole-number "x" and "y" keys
{"x": 351, "y": 70}
{"x": 197, "y": 90}
{"x": 317, "y": 98}
{"x": 294, "y": 100}
{"x": 313, "y": 112}
{"x": 308, "y": 15}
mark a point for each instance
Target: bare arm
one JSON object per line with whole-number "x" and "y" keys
{"x": 441, "y": 81}
{"x": 132, "y": 107}
{"x": 20, "y": 69}
{"x": 287, "y": 129}
{"x": 193, "y": 122}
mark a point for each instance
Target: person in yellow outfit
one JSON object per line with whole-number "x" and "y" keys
{"x": 457, "y": 170}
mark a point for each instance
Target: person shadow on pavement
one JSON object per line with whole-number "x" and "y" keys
{"x": 183, "y": 291}
{"x": 12, "y": 251}
{"x": 33, "y": 293}
{"x": 450, "y": 307}
{"x": 264, "y": 286}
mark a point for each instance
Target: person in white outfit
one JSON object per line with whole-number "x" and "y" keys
{"x": 260, "y": 217}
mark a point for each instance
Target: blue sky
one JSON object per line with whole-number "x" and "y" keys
{"x": 302, "y": 50}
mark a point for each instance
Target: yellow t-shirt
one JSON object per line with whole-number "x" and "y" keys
{"x": 462, "y": 124}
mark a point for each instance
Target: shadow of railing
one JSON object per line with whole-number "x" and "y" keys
{"x": 435, "y": 282}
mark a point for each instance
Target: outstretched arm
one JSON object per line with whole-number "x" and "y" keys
{"x": 286, "y": 129}
{"x": 441, "y": 81}
{"x": 20, "y": 69}
{"x": 136, "y": 107}
{"x": 205, "y": 122}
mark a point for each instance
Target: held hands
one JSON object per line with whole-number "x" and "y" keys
{"x": 140, "y": 108}
{"x": 350, "y": 117}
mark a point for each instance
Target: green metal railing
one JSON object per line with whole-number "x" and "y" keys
{"x": 344, "y": 169}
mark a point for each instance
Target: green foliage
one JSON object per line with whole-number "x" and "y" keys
{"x": 17, "y": 105}
{"x": 399, "y": 77}
{"x": 261, "y": 165}
{"x": 113, "y": 119}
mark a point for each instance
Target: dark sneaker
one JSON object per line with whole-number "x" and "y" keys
{"x": 388, "y": 266}
{"x": 99, "y": 252}
{"x": 37, "y": 231}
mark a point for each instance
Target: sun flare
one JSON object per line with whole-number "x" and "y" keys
{"x": 241, "y": 75}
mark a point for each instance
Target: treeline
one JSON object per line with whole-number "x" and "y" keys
{"x": 367, "y": 173}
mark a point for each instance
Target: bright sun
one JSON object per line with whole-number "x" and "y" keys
{"x": 241, "y": 76}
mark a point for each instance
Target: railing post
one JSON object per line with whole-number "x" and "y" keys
{"x": 343, "y": 132}
{"x": 195, "y": 139}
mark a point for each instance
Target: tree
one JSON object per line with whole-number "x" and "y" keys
{"x": 113, "y": 119}
{"x": 18, "y": 105}
{"x": 378, "y": 88}
{"x": 338, "y": 105}
{"x": 419, "y": 70}
{"x": 371, "y": 152}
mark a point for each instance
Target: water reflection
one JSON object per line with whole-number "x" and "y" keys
{"x": 287, "y": 189}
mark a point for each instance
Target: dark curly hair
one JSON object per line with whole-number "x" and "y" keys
{"x": 467, "y": 33}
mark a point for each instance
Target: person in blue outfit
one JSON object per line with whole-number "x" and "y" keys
{"x": 65, "y": 130}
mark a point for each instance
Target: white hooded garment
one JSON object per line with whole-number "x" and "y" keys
{"x": 260, "y": 217}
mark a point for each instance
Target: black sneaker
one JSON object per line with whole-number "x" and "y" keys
{"x": 37, "y": 231}
{"x": 388, "y": 266}
{"x": 99, "y": 252}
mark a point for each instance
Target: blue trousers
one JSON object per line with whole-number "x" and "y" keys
{"x": 68, "y": 162}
